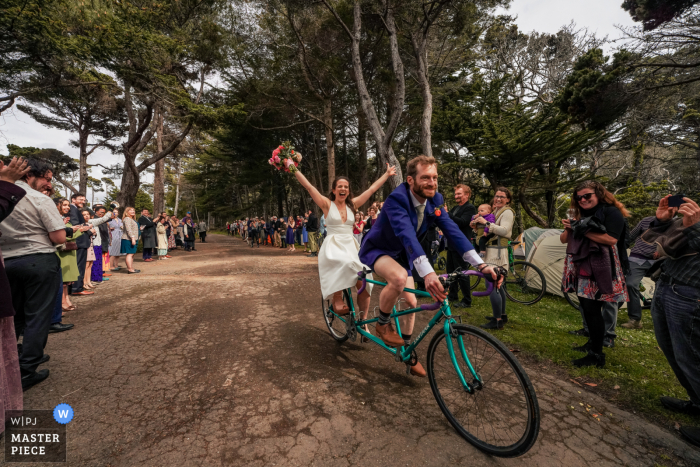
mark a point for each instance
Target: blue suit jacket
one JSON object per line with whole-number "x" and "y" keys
{"x": 394, "y": 232}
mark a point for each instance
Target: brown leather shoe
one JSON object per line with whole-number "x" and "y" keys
{"x": 418, "y": 370}
{"x": 387, "y": 333}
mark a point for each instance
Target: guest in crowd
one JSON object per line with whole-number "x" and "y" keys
{"x": 190, "y": 235}
{"x": 641, "y": 260}
{"x": 99, "y": 221}
{"x": 312, "y": 228}
{"x": 461, "y": 214}
{"x": 67, "y": 254}
{"x": 358, "y": 227}
{"x": 116, "y": 226}
{"x": 305, "y": 233}
{"x": 290, "y": 233}
{"x": 90, "y": 258}
{"x": 148, "y": 235}
{"x": 162, "y": 238}
{"x": 130, "y": 237}
{"x": 173, "y": 232}
{"x": 497, "y": 250}
{"x": 83, "y": 242}
{"x": 29, "y": 236}
{"x": 676, "y": 306}
{"x": 298, "y": 228}
{"x": 595, "y": 259}
{"x": 10, "y": 375}
{"x": 202, "y": 228}
{"x": 105, "y": 238}
{"x": 180, "y": 238}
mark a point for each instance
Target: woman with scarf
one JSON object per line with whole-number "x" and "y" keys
{"x": 595, "y": 260}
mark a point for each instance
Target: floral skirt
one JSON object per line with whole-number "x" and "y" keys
{"x": 171, "y": 241}
{"x": 10, "y": 376}
{"x": 586, "y": 287}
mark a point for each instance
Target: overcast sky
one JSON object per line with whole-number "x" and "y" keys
{"x": 599, "y": 16}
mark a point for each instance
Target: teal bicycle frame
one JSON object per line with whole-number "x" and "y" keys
{"x": 403, "y": 354}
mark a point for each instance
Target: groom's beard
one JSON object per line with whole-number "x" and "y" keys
{"x": 417, "y": 189}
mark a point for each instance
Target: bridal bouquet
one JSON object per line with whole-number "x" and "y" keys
{"x": 284, "y": 157}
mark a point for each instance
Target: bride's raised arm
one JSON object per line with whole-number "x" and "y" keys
{"x": 322, "y": 202}
{"x": 362, "y": 199}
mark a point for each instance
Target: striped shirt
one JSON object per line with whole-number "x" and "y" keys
{"x": 641, "y": 249}
{"x": 686, "y": 269}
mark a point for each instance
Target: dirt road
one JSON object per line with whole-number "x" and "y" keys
{"x": 221, "y": 357}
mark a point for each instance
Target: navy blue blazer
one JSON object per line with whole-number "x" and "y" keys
{"x": 394, "y": 231}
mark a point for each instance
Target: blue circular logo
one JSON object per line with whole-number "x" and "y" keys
{"x": 63, "y": 413}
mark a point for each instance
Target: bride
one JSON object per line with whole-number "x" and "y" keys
{"x": 338, "y": 261}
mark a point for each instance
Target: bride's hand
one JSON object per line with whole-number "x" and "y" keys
{"x": 390, "y": 171}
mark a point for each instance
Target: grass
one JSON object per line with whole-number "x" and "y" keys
{"x": 636, "y": 365}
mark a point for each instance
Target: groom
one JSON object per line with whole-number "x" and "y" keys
{"x": 392, "y": 247}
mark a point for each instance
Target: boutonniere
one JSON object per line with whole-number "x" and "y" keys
{"x": 438, "y": 210}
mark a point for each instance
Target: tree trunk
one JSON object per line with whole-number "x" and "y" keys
{"x": 362, "y": 153}
{"x": 82, "y": 143}
{"x": 420, "y": 51}
{"x": 177, "y": 187}
{"x": 129, "y": 187}
{"x": 330, "y": 147}
{"x": 159, "y": 175}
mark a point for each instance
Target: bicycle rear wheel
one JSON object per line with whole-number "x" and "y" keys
{"x": 502, "y": 417}
{"x": 525, "y": 283}
{"x": 337, "y": 325}
{"x": 572, "y": 298}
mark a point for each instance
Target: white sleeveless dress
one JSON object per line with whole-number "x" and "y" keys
{"x": 338, "y": 259}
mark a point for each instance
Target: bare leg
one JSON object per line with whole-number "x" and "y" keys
{"x": 363, "y": 305}
{"x": 130, "y": 262}
{"x": 88, "y": 272}
{"x": 411, "y": 301}
{"x": 338, "y": 305}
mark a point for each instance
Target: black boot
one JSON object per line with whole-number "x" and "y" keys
{"x": 584, "y": 348}
{"x": 597, "y": 359}
{"x": 493, "y": 324}
{"x": 504, "y": 318}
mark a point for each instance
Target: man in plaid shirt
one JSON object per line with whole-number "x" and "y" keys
{"x": 676, "y": 313}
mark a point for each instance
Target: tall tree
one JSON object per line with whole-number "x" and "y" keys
{"x": 94, "y": 112}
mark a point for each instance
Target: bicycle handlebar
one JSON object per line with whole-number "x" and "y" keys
{"x": 434, "y": 306}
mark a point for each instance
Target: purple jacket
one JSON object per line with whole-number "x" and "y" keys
{"x": 10, "y": 194}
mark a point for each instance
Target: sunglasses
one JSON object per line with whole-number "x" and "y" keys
{"x": 586, "y": 196}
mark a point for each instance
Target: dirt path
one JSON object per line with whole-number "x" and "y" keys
{"x": 221, "y": 357}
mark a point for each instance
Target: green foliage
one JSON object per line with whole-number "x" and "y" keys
{"x": 653, "y": 13}
{"x": 62, "y": 163}
{"x": 143, "y": 201}
{"x": 593, "y": 94}
{"x": 642, "y": 200}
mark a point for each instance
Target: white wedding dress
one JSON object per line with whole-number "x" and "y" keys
{"x": 338, "y": 261}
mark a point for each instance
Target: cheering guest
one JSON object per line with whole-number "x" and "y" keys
{"x": 10, "y": 377}
{"x": 83, "y": 242}
{"x": 130, "y": 236}
{"x": 162, "y": 239}
{"x": 148, "y": 235}
{"x": 28, "y": 240}
{"x": 99, "y": 221}
{"x": 290, "y": 233}
{"x": 116, "y": 227}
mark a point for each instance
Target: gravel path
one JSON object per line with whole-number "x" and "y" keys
{"x": 221, "y": 357}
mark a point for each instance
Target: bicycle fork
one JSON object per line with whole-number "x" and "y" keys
{"x": 449, "y": 333}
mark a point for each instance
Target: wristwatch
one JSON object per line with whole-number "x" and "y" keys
{"x": 488, "y": 224}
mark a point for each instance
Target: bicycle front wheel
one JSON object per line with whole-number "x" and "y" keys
{"x": 501, "y": 417}
{"x": 525, "y": 283}
{"x": 338, "y": 326}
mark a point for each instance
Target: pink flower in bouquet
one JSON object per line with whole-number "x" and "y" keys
{"x": 276, "y": 159}
{"x": 288, "y": 162}
{"x": 276, "y": 152}
{"x": 271, "y": 162}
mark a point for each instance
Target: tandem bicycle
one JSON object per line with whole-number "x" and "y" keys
{"x": 479, "y": 385}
